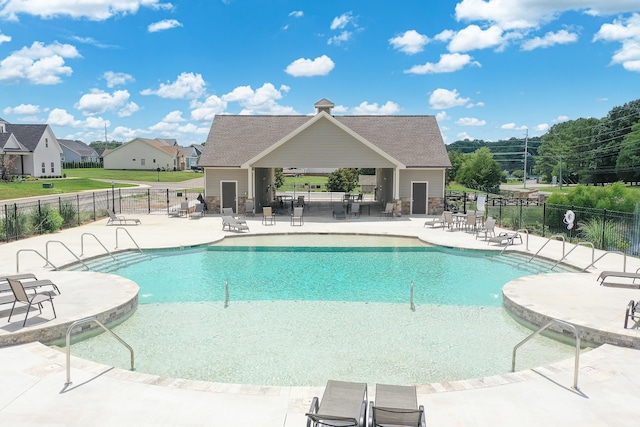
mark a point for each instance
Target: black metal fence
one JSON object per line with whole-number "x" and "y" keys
{"x": 607, "y": 230}
{"x": 25, "y": 219}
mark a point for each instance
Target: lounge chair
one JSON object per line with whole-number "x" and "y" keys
{"x": 354, "y": 209}
{"x": 343, "y": 404}
{"x": 120, "y": 220}
{"x": 338, "y": 211}
{"x": 198, "y": 211}
{"x": 621, "y": 274}
{"x": 231, "y": 223}
{"x": 488, "y": 228}
{"x": 28, "y": 280}
{"x": 268, "y": 216}
{"x": 396, "y": 405}
{"x": 507, "y": 238}
{"x": 297, "y": 216}
{"x": 34, "y": 300}
{"x": 633, "y": 312}
{"x": 249, "y": 209}
{"x": 436, "y": 220}
{"x": 388, "y": 210}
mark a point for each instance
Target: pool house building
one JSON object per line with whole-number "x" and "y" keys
{"x": 407, "y": 152}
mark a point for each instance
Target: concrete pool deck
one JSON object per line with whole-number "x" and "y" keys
{"x": 32, "y": 376}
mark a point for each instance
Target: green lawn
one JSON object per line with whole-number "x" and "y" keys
{"x": 16, "y": 190}
{"x": 132, "y": 175}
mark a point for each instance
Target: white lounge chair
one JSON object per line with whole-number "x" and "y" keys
{"x": 436, "y": 220}
{"x": 120, "y": 220}
{"x": 230, "y": 223}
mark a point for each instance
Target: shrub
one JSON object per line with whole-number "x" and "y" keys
{"x": 45, "y": 219}
{"x": 69, "y": 213}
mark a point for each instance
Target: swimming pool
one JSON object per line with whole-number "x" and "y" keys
{"x": 300, "y": 314}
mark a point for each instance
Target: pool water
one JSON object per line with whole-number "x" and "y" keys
{"x": 299, "y": 315}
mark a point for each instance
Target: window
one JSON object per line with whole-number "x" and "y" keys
{"x": 43, "y": 168}
{"x": 154, "y": 160}
{"x": 46, "y": 143}
{"x": 142, "y": 162}
{"x": 134, "y": 160}
{"x": 53, "y": 168}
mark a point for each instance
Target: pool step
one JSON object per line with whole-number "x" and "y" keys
{"x": 108, "y": 265}
{"x": 535, "y": 266}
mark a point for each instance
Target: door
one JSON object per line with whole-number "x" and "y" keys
{"x": 418, "y": 198}
{"x": 229, "y": 195}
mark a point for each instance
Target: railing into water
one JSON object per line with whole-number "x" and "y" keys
{"x": 46, "y": 251}
{"x": 129, "y": 234}
{"x": 47, "y": 262}
{"x": 99, "y": 242}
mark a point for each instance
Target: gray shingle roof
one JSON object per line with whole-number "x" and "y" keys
{"x": 78, "y": 147}
{"x": 28, "y": 135}
{"x": 415, "y": 141}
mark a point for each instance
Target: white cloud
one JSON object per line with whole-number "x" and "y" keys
{"x": 260, "y": 101}
{"x": 98, "y": 102}
{"x": 207, "y": 110}
{"x": 341, "y": 21}
{"x": 411, "y": 42}
{"x": 542, "y": 127}
{"x": 442, "y": 99}
{"x": 550, "y": 39}
{"x": 116, "y": 79}
{"x": 449, "y": 62}
{"x": 123, "y": 133}
{"x": 470, "y": 121}
{"x": 442, "y": 116}
{"x": 321, "y": 66}
{"x": 524, "y": 14}
{"x": 512, "y": 126}
{"x": 344, "y": 36}
{"x": 22, "y": 109}
{"x": 186, "y": 86}
{"x": 165, "y": 24}
{"x": 465, "y": 136}
{"x": 4, "y": 38}
{"x": 60, "y": 117}
{"x": 626, "y": 32}
{"x": 95, "y": 10}
{"x": 365, "y": 108}
{"x": 39, "y": 64}
{"x": 561, "y": 119}
{"x": 297, "y": 14}
{"x": 473, "y": 37}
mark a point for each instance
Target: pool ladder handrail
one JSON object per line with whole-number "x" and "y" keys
{"x": 576, "y": 333}
{"x": 412, "y": 305}
{"x": 554, "y": 237}
{"x": 99, "y": 242}
{"x": 624, "y": 260}
{"x": 129, "y": 234}
{"x": 226, "y": 293}
{"x": 593, "y": 252}
{"x": 47, "y": 262}
{"x": 68, "y": 341}
{"x": 46, "y": 252}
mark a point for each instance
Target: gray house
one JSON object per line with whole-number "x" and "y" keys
{"x": 408, "y": 153}
{"x": 77, "y": 152}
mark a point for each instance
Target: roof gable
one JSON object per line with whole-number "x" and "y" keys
{"x": 28, "y": 135}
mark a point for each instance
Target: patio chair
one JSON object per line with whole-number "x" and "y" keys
{"x": 488, "y": 228}
{"x": 231, "y": 223}
{"x": 338, "y": 211}
{"x": 343, "y": 404}
{"x": 120, "y": 220}
{"x": 388, "y": 210}
{"x": 471, "y": 221}
{"x": 448, "y": 220}
{"x": 34, "y": 300}
{"x": 268, "y": 216}
{"x": 633, "y": 312}
{"x": 436, "y": 220}
{"x": 249, "y": 209}
{"x": 354, "y": 209}
{"x": 297, "y": 216}
{"x": 396, "y": 405}
{"x": 28, "y": 280}
{"x": 300, "y": 202}
{"x": 198, "y": 211}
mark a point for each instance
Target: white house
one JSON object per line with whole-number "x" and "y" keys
{"x": 145, "y": 154}
{"x": 29, "y": 150}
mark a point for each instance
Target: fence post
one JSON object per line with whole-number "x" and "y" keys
{"x": 6, "y": 222}
{"x": 544, "y": 217}
{"x": 464, "y": 201}
{"x": 16, "y": 224}
{"x": 604, "y": 221}
{"x": 148, "y": 200}
{"x": 78, "y": 205}
{"x": 94, "y": 206}
{"x": 520, "y": 220}
{"x": 40, "y": 216}
{"x": 167, "y": 201}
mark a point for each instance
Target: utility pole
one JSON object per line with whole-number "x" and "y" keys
{"x": 561, "y": 171}
{"x": 105, "y": 134}
{"x": 526, "y": 152}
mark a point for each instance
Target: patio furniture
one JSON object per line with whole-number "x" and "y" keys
{"x": 198, "y": 211}
{"x": 249, "y": 209}
{"x": 507, "y": 238}
{"x": 488, "y": 228}
{"x": 267, "y": 216}
{"x": 30, "y": 300}
{"x": 396, "y": 405}
{"x": 621, "y": 274}
{"x": 388, "y": 210}
{"x": 297, "y": 216}
{"x": 338, "y": 211}
{"x": 120, "y": 220}
{"x": 354, "y": 209}
{"x": 343, "y": 404}
{"x": 633, "y": 312}
{"x": 436, "y": 220}
{"x": 231, "y": 223}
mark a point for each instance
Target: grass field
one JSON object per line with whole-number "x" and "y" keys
{"x": 132, "y": 175}
{"x": 17, "y": 190}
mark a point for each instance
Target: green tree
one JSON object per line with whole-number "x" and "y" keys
{"x": 457, "y": 158}
{"x": 479, "y": 170}
{"x": 614, "y": 197}
{"x": 628, "y": 163}
{"x": 279, "y": 178}
{"x": 343, "y": 179}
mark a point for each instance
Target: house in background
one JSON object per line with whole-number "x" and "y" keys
{"x": 77, "y": 152}
{"x": 192, "y": 155}
{"x": 407, "y": 152}
{"x": 30, "y": 150}
{"x": 145, "y": 154}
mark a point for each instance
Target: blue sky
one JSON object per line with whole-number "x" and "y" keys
{"x": 488, "y": 69}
